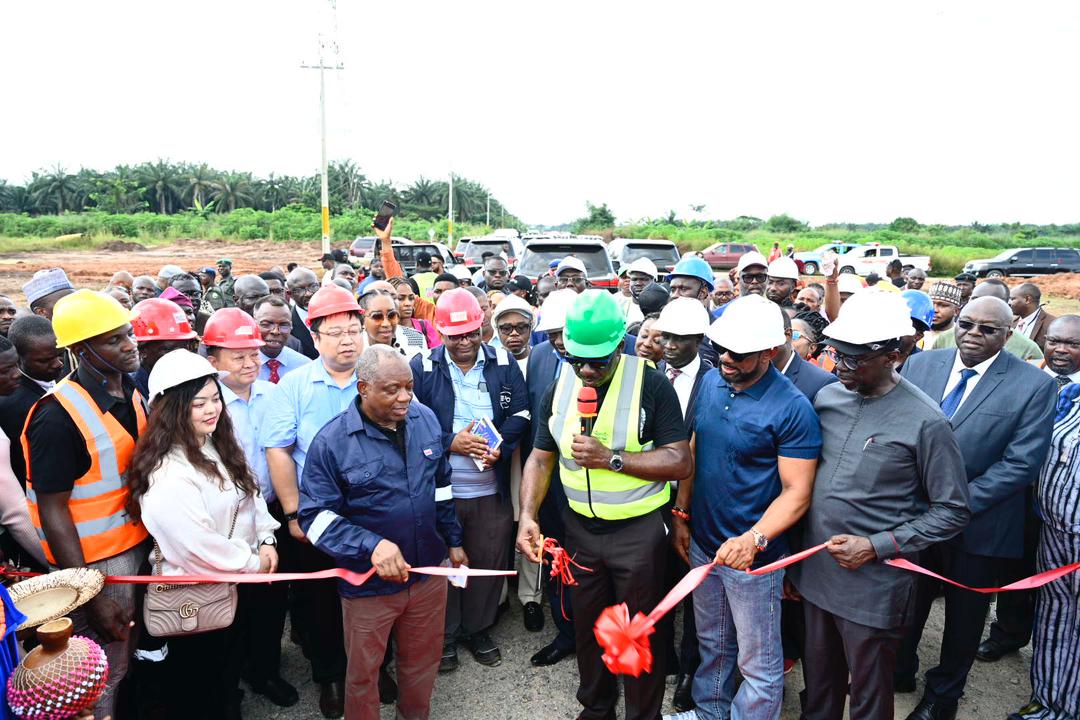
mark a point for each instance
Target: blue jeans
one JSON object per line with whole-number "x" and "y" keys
{"x": 738, "y": 622}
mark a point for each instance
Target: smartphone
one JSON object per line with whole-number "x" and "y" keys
{"x": 385, "y": 213}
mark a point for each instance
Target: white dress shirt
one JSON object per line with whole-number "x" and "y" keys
{"x": 1075, "y": 377}
{"x": 954, "y": 376}
{"x": 684, "y": 382}
{"x": 1027, "y": 324}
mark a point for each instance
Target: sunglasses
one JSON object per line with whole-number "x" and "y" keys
{"x": 754, "y": 278}
{"x": 735, "y": 357}
{"x": 849, "y": 362}
{"x": 519, "y": 328}
{"x": 379, "y": 315}
{"x": 967, "y": 325}
{"x": 597, "y": 363}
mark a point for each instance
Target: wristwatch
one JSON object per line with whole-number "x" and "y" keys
{"x": 760, "y": 541}
{"x": 271, "y": 541}
{"x": 615, "y": 463}
{"x": 289, "y": 517}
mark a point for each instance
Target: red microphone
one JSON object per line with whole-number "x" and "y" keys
{"x": 586, "y": 407}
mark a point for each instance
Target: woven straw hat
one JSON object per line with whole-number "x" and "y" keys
{"x": 48, "y": 597}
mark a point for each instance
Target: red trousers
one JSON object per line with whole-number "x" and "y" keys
{"x": 416, "y": 617}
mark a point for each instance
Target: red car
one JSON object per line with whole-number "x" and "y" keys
{"x": 724, "y": 256}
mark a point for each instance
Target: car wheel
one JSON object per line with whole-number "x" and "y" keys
{"x": 810, "y": 268}
{"x": 996, "y": 274}
{"x": 847, "y": 270}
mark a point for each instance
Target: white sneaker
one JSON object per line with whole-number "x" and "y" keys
{"x": 685, "y": 715}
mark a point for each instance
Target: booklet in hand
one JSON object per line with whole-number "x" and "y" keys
{"x": 485, "y": 429}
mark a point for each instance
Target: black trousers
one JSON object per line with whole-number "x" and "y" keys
{"x": 314, "y": 604}
{"x": 559, "y": 597}
{"x": 262, "y": 645}
{"x": 838, "y": 650}
{"x": 965, "y": 615}
{"x": 1016, "y": 609}
{"x": 488, "y": 527}
{"x": 627, "y": 566}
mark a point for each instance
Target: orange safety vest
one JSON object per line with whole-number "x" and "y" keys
{"x": 98, "y": 498}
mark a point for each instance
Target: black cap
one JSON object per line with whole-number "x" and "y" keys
{"x": 326, "y": 256}
{"x": 340, "y": 256}
{"x": 652, "y": 298}
{"x": 423, "y": 258}
{"x": 965, "y": 277}
{"x": 522, "y": 283}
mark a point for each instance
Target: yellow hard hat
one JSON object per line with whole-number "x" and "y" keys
{"x": 85, "y": 314}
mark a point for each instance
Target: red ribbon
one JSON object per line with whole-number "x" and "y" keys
{"x": 353, "y": 578}
{"x": 561, "y": 561}
{"x": 625, "y": 640}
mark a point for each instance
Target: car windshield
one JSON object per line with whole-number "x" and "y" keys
{"x": 362, "y": 244}
{"x": 407, "y": 253}
{"x": 659, "y": 254}
{"x": 535, "y": 260}
{"x": 1005, "y": 255}
{"x": 476, "y": 249}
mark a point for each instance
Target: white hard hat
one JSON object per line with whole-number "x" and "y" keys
{"x": 751, "y": 258}
{"x": 461, "y": 272}
{"x": 849, "y": 283}
{"x": 683, "y": 316}
{"x": 571, "y": 263}
{"x": 553, "y": 311}
{"x": 176, "y": 367}
{"x": 643, "y": 265}
{"x": 513, "y": 303}
{"x": 785, "y": 268}
{"x": 749, "y": 324}
{"x": 868, "y": 318}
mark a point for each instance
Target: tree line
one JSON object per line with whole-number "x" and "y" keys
{"x": 168, "y": 188}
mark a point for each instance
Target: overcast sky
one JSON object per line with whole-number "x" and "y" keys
{"x": 861, "y": 111}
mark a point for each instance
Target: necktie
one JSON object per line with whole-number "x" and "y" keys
{"x": 274, "y": 364}
{"x": 952, "y": 401}
{"x": 1062, "y": 381}
{"x": 672, "y": 373}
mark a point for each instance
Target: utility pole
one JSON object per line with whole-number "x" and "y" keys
{"x": 322, "y": 67}
{"x": 488, "y": 221}
{"x": 450, "y": 214}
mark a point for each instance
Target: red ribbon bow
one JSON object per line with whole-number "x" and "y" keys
{"x": 625, "y": 641}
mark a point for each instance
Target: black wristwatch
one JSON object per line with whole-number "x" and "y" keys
{"x": 271, "y": 541}
{"x": 289, "y": 517}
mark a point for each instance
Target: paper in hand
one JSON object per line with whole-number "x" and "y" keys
{"x": 485, "y": 429}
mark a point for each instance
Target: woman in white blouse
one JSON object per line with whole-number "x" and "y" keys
{"x": 188, "y": 478}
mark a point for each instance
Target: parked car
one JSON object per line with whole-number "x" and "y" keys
{"x": 536, "y": 259}
{"x": 624, "y": 251}
{"x": 724, "y": 256}
{"x": 461, "y": 247}
{"x": 1026, "y": 262}
{"x": 362, "y": 249}
{"x": 874, "y": 257}
{"x": 474, "y": 251}
{"x": 811, "y": 259}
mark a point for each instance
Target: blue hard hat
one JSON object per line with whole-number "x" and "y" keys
{"x": 921, "y": 307}
{"x": 694, "y": 267}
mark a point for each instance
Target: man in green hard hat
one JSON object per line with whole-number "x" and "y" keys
{"x": 615, "y": 468}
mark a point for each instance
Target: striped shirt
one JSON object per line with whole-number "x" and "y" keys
{"x": 1059, "y": 483}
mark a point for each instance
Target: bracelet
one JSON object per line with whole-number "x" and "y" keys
{"x": 830, "y": 281}
{"x": 289, "y": 517}
{"x": 680, "y": 513}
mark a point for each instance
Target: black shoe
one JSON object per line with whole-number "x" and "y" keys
{"x": 534, "y": 617}
{"x": 930, "y": 710}
{"x": 684, "y": 693}
{"x": 449, "y": 661}
{"x": 276, "y": 691}
{"x": 991, "y": 650}
{"x": 483, "y": 649}
{"x": 549, "y": 655}
{"x": 387, "y": 687}
{"x": 332, "y": 699}
{"x": 903, "y": 683}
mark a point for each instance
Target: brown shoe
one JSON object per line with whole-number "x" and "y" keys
{"x": 332, "y": 699}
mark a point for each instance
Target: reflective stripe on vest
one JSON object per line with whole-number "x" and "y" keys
{"x": 98, "y": 498}
{"x": 602, "y": 493}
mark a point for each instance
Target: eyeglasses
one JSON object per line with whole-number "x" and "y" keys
{"x": 563, "y": 281}
{"x": 597, "y": 363}
{"x": 967, "y": 326}
{"x": 194, "y": 296}
{"x": 519, "y": 328}
{"x": 849, "y": 362}
{"x": 284, "y": 328}
{"x": 466, "y": 337}
{"x": 795, "y": 334}
{"x": 305, "y": 289}
{"x": 754, "y": 278}
{"x": 497, "y": 273}
{"x": 735, "y": 357}
{"x": 339, "y": 333}
{"x": 380, "y": 315}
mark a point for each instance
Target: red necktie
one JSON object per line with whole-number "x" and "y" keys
{"x": 274, "y": 364}
{"x": 673, "y": 372}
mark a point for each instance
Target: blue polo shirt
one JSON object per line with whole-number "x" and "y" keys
{"x": 247, "y": 417}
{"x": 740, "y": 434}
{"x": 306, "y": 400}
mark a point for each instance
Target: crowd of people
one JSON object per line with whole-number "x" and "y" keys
{"x": 198, "y": 422}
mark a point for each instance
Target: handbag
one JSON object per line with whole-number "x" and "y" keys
{"x": 172, "y": 610}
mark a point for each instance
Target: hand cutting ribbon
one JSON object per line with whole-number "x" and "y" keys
{"x": 349, "y": 576}
{"x": 561, "y": 563}
{"x": 625, "y": 640}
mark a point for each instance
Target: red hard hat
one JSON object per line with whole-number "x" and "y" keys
{"x": 331, "y": 300}
{"x": 232, "y": 328}
{"x": 457, "y": 312}
{"x": 157, "y": 319}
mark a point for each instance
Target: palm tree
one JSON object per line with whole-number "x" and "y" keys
{"x": 57, "y": 189}
{"x": 422, "y": 192}
{"x": 197, "y": 183}
{"x": 162, "y": 184}
{"x": 233, "y": 190}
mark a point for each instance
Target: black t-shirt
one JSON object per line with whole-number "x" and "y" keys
{"x": 661, "y": 424}
{"x": 13, "y": 411}
{"x": 58, "y": 454}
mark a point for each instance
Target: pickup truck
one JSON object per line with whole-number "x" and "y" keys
{"x": 874, "y": 257}
{"x": 811, "y": 259}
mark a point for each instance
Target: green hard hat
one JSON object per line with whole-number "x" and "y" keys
{"x": 595, "y": 326}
